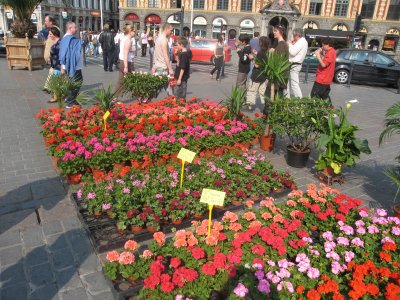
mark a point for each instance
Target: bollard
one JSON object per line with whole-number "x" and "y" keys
{"x": 307, "y": 67}
{"x": 351, "y": 74}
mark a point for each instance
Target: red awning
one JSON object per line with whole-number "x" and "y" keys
{"x": 131, "y": 17}
{"x": 153, "y": 19}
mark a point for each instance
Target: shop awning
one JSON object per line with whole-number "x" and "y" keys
{"x": 153, "y": 19}
{"x": 132, "y": 17}
{"x": 320, "y": 33}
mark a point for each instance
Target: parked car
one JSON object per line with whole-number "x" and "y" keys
{"x": 203, "y": 51}
{"x": 368, "y": 66}
{"x": 311, "y": 60}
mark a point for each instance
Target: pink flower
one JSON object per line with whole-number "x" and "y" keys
{"x": 328, "y": 236}
{"x": 147, "y": 253}
{"x": 131, "y": 245}
{"x": 106, "y": 206}
{"x": 287, "y": 285}
{"x": 358, "y": 242}
{"x": 336, "y": 267}
{"x": 395, "y": 230}
{"x": 263, "y": 286}
{"x": 387, "y": 240}
{"x": 240, "y": 290}
{"x": 112, "y": 256}
{"x": 381, "y": 212}
{"x": 373, "y": 229}
{"x": 361, "y": 230}
{"x": 313, "y": 273}
{"x": 343, "y": 241}
{"x": 126, "y": 258}
{"x": 348, "y": 256}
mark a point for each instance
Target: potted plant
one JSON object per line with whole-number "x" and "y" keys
{"x": 22, "y": 49}
{"x": 144, "y": 86}
{"x": 276, "y": 68}
{"x": 392, "y": 126}
{"x": 300, "y": 119}
{"x": 234, "y": 103}
{"x": 106, "y": 98}
{"x": 339, "y": 144}
{"x": 60, "y": 86}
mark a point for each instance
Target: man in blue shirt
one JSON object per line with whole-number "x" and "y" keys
{"x": 71, "y": 61}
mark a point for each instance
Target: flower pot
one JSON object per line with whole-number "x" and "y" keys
{"x": 198, "y": 216}
{"x": 55, "y": 164}
{"x": 396, "y": 210}
{"x": 136, "y": 228}
{"x": 176, "y": 222}
{"x": 267, "y": 142}
{"x": 97, "y": 214}
{"x": 236, "y": 202}
{"x": 256, "y": 140}
{"x": 73, "y": 178}
{"x": 151, "y": 229}
{"x": 278, "y": 190}
{"x": 297, "y": 159}
{"x": 328, "y": 171}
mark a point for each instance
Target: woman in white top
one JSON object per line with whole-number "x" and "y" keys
{"x": 126, "y": 55}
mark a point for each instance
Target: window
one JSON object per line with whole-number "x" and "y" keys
{"x": 359, "y": 56}
{"x": 198, "y": 4}
{"x": 394, "y": 10}
{"x": 341, "y": 8}
{"x": 315, "y": 7}
{"x": 132, "y": 3}
{"x": 382, "y": 59}
{"x": 367, "y": 9}
{"x": 153, "y": 3}
{"x": 222, "y": 4}
{"x": 246, "y": 5}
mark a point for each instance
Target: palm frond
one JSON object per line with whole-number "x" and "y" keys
{"x": 391, "y": 123}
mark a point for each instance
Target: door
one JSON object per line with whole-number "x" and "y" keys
{"x": 362, "y": 68}
{"x": 385, "y": 68}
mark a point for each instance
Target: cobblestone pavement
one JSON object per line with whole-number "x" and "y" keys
{"x": 45, "y": 253}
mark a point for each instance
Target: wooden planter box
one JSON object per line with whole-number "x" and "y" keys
{"x": 24, "y": 52}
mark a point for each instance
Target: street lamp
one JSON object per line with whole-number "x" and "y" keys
{"x": 191, "y": 16}
{"x": 101, "y": 14}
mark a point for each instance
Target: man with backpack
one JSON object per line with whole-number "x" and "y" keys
{"x": 85, "y": 44}
{"x": 107, "y": 43}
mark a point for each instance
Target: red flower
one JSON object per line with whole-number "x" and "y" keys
{"x": 151, "y": 282}
{"x": 389, "y": 247}
{"x": 258, "y": 249}
{"x": 315, "y": 208}
{"x": 167, "y": 286}
{"x": 208, "y": 269}
{"x": 219, "y": 260}
{"x": 302, "y": 233}
{"x": 175, "y": 262}
{"x": 313, "y": 295}
{"x": 385, "y": 256}
{"x": 198, "y": 253}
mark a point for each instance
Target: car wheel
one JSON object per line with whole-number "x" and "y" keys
{"x": 342, "y": 76}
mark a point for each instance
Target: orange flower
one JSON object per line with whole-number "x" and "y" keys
{"x": 130, "y": 245}
{"x": 303, "y": 200}
{"x": 159, "y": 237}
{"x": 211, "y": 240}
{"x": 230, "y": 216}
{"x": 235, "y": 227}
{"x": 266, "y": 216}
{"x": 112, "y": 256}
{"x": 389, "y": 246}
{"x": 192, "y": 241}
{"x": 313, "y": 295}
{"x": 202, "y": 230}
{"x": 171, "y": 169}
{"x": 180, "y": 243}
{"x": 249, "y": 216}
{"x": 385, "y": 256}
{"x": 255, "y": 224}
{"x": 147, "y": 253}
{"x": 300, "y": 289}
{"x": 291, "y": 203}
{"x": 126, "y": 258}
{"x": 278, "y": 218}
{"x": 217, "y": 226}
{"x": 249, "y": 203}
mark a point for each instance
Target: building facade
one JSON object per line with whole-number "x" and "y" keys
{"x": 86, "y": 13}
{"x": 207, "y": 18}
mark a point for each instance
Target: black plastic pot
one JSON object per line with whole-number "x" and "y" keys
{"x": 297, "y": 159}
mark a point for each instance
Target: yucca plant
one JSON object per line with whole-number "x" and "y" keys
{"x": 276, "y": 68}
{"x": 105, "y": 97}
{"x": 60, "y": 86}
{"x": 23, "y": 10}
{"x": 234, "y": 103}
{"x": 392, "y": 126}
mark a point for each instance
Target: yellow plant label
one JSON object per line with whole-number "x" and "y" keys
{"x": 106, "y": 115}
{"x": 213, "y": 197}
{"x": 186, "y": 155}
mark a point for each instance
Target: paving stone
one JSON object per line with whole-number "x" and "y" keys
{"x": 16, "y": 292}
{"x": 76, "y": 294}
{"x": 68, "y": 279}
{"x": 57, "y": 242}
{"x": 41, "y": 275}
{"x": 10, "y": 238}
{"x": 37, "y": 256}
{"x": 18, "y": 220}
{"x": 103, "y": 296}
{"x": 88, "y": 264}
{"x": 71, "y": 224}
{"x": 52, "y": 228}
{"x": 63, "y": 259}
{"x": 48, "y": 292}
{"x": 55, "y": 208}
{"x": 47, "y": 188}
{"x": 96, "y": 282}
{"x": 12, "y": 275}
{"x": 21, "y": 194}
{"x": 33, "y": 237}
{"x": 10, "y": 255}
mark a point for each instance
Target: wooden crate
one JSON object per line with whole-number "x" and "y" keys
{"x": 25, "y": 53}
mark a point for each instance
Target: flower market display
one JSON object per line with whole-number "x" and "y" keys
{"x": 140, "y": 135}
{"x": 319, "y": 244}
{"x": 138, "y": 199}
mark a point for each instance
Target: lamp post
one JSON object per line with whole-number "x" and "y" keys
{"x": 191, "y": 16}
{"x": 101, "y": 14}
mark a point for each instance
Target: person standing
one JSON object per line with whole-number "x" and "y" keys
{"x": 182, "y": 71}
{"x": 255, "y": 48}
{"x": 117, "y": 39}
{"x": 150, "y": 40}
{"x": 326, "y": 56}
{"x": 162, "y": 63}
{"x": 219, "y": 57}
{"x": 85, "y": 43}
{"x": 126, "y": 55}
{"x": 243, "y": 52}
{"x": 222, "y": 35}
{"x": 95, "y": 43}
{"x": 49, "y": 22}
{"x": 143, "y": 38}
{"x": 107, "y": 45}
{"x": 283, "y": 49}
{"x": 258, "y": 81}
{"x": 71, "y": 61}
{"x": 297, "y": 52}
{"x": 54, "y": 35}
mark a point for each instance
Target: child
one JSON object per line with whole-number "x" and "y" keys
{"x": 182, "y": 69}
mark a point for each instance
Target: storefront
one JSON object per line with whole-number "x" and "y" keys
{"x": 247, "y": 27}
{"x": 152, "y": 22}
{"x": 218, "y": 26}
{"x": 133, "y": 19}
{"x": 200, "y": 27}
{"x": 391, "y": 40}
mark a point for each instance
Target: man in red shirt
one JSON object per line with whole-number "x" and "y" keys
{"x": 326, "y": 56}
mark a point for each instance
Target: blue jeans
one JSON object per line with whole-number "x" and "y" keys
{"x": 70, "y": 100}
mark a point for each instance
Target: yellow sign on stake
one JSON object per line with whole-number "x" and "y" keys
{"x": 186, "y": 155}
{"x": 212, "y": 197}
{"x": 105, "y": 116}
{"x": 183, "y": 170}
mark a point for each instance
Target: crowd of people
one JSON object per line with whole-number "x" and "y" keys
{"x": 67, "y": 55}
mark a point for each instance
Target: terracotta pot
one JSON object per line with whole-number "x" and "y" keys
{"x": 73, "y": 178}
{"x": 329, "y": 171}
{"x": 256, "y": 140}
{"x": 151, "y": 229}
{"x": 396, "y": 210}
{"x": 236, "y": 202}
{"x": 55, "y": 164}
{"x": 176, "y": 222}
{"x": 267, "y": 143}
{"x": 97, "y": 214}
{"x": 279, "y": 190}
{"x": 136, "y": 228}
{"x": 198, "y": 216}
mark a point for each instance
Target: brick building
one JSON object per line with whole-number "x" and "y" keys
{"x": 380, "y": 29}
